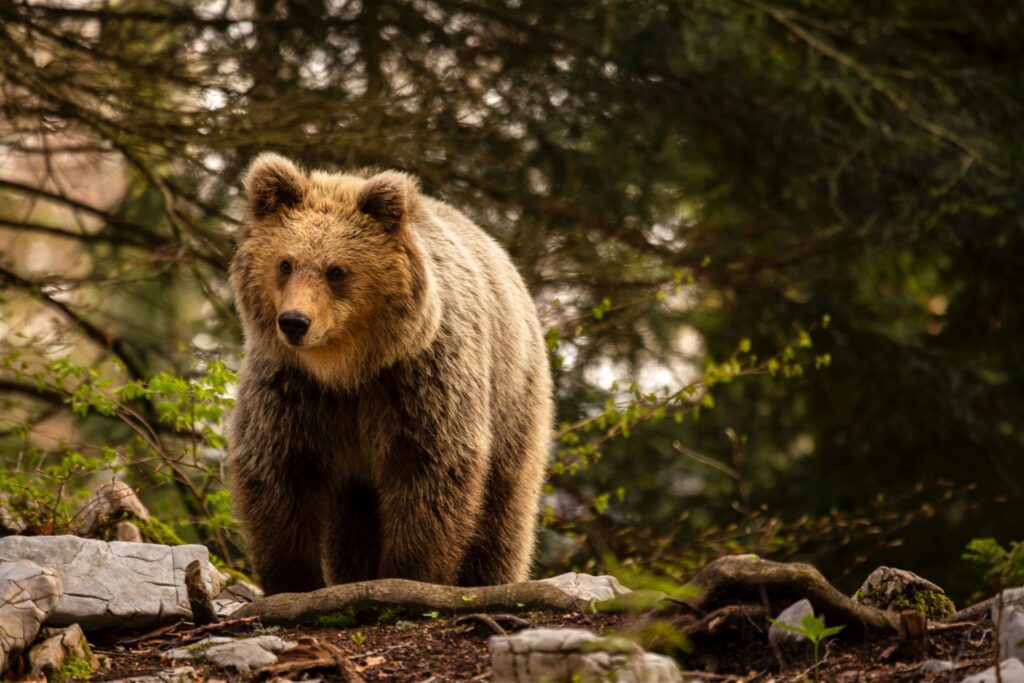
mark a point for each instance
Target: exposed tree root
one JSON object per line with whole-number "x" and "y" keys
{"x": 742, "y": 588}
{"x": 372, "y": 596}
{"x": 746, "y": 579}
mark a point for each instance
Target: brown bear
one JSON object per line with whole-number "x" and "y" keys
{"x": 394, "y": 411}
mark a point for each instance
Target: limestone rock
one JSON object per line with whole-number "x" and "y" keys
{"x": 1011, "y": 671}
{"x": 235, "y": 596}
{"x": 588, "y": 588}
{"x": 1011, "y": 623}
{"x": 128, "y": 532}
{"x": 180, "y": 674}
{"x": 28, "y": 595}
{"x": 931, "y": 666}
{"x": 112, "y": 585}
{"x": 109, "y": 498}
{"x": 559, "y": 655}
{"x": 793, "y": 649}
{"x": 243, "y": 655}
{"x": 898, "y": 590}
{"x": 58, "y": 646}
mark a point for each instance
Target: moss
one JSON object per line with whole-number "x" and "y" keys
{"x": 152, "y": 529}
{"x": 344, "y": 619}
{"x": 155, "y": 531}
{"x": 929, "y": 603}
{"x": 74, "y": 669}
{"x": 932, "y": 605}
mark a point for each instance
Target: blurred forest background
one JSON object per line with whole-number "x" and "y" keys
{"x": 778, "y": 247}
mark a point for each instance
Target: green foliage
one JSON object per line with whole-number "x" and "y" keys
{"x": 1004, "y": 566}
{"x": 172, "y": 437}
{"x": 814, "y": 629}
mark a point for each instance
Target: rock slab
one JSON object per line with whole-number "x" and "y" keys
{"x": 563, "y": 655}
{"x": 29, "y": 593}
{"x": 243, "y": 655}
{"x": 1011, "y": 622}
{"x": 112, "y": 585}
{"x": 179, "y": 674}
{"x": 1011, "y": 671}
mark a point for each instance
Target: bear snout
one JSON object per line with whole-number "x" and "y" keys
{"x": 294, "y": 324}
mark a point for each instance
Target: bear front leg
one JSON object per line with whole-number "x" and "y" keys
{"x": 278, "y": 481}
{"x": 282, "y": 534}
{"x": 429, "y": 511}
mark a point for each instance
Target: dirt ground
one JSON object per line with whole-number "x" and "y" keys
{"x": 449, "y": 648}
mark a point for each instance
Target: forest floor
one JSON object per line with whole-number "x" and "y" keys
{"x": 452, "y": 648}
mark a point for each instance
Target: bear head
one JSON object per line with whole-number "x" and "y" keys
{"x": 328, "y": 272}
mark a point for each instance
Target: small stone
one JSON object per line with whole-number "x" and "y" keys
{"x": 180, "y": 674}
{"x": 59, "y": 646}
{"x": 112, "y": 585}
{"x": 243, "y": 655}
{"x": 575, "y": 654}
{"x": 588, "y": 588}
{"x": 28, "y": 595}
{"x": 932, "y": 666}
{"x": 113, "y": 496}
{"x": 234, "y": 597}
{"x": 898, "y": 590}
{"x": 793, "y": 649}
{"x": 128, "y": 532}
{"x": 1011, "y": 622}
{"x": 1010, "y": 670}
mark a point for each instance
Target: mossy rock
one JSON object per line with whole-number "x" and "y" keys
{"x": 897, "y": 590}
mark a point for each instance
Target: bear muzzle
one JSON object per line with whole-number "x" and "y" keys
{"x": 294, "y": 325}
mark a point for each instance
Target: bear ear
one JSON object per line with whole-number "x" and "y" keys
{"x": 388, "y": 198}
{"x": 272, "y": 183}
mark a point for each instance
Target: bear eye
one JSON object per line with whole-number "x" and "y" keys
{"x": 335, "y": 275}
{"x": 285, "y": 267}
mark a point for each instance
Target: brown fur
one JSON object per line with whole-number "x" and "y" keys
{"x": 407, "y": 435}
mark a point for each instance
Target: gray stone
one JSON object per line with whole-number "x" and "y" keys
{"x": 588, "y": 588}
{"x": 574, "y": 654}
{"x": 897, "y": 590}
{"x": 793, "y": 649}
{"x": 28, "y": 595}
{"x": 1011, "y": 622}
{"x": 243, "y": 655}
{"x": 931, "y": 666}
{"x": 128, "y": 532}
{"x": 112, "y": 585}
{"x": 113, "y": 496}
{"x": 235, "y": 596}
{"x": 1011, "y": 671}
{"x": 180, "y": 674}
{"x": 57, "y": 646}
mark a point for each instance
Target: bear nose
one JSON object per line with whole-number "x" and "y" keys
{"x": 294, "y": 325}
